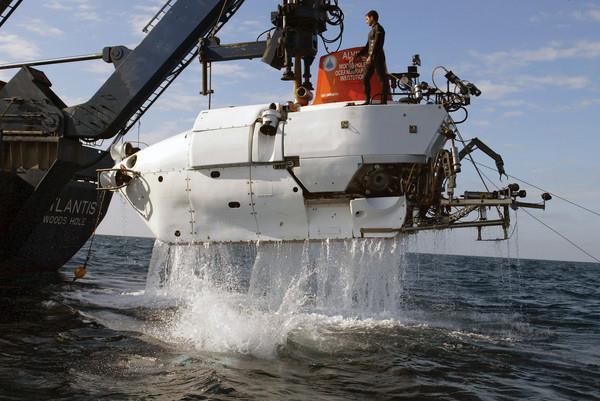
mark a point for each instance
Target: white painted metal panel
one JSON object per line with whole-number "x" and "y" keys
{"x": 229, "y": 117}
{"x": 210, "y": 198}
{"x": 224, "y": 146}
{"x": 372, "y": 130}
{"x": 373, "y": 214}
{"x": 162, "y": 200}
{"x": 267, "y": 148}
{"x": 167, "y": 155}
{"x": 327, "y": 174}
{"x": 280, "y": 209}
{"x": 329, "y": 221}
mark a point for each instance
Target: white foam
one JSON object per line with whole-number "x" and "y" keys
{"x": 252, "y": 298}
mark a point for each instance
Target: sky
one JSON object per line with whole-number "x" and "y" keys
{"x": 536, "y": 62}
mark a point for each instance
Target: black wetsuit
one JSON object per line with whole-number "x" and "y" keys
{"x": 374, "y": 50}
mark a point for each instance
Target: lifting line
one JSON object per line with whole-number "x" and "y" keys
{"x": 543, "y": 190}
{"x": 80, "y": 271}
{"x": 555, "y": 231}
{"x": 562, "y": 236}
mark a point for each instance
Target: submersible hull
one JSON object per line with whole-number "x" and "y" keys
{"x": 330, "y": 171}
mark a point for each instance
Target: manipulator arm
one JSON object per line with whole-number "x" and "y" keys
{"x": 476, "y": 143}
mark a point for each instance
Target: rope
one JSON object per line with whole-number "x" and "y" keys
{"x": 562, "y": 236}
{"x": 214, "y": 30}
{"x": 543, "y": 190}
{"x": 89, "y": 251}
{"x": 547, "y": 226}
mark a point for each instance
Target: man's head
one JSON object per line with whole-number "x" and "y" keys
{"x": 372, "y": 17}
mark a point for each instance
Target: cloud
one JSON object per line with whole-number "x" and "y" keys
{"x": 591, "y": 13}
{"x": 99, "y": 67}
{"x": 86, "y": 11}
{"x": 551, "y": 52}
{"x": 71, "y": 100}
{"x": 16, "y": 48}
{"x": 495, "y": 91}
{"x": 481, "y": 123}
{"x": 177, "y": 99}
{"x": 579, "y": 105}
{"x": 38, "y": 26}
{"x": 512, "y": 103}
{"x": 242, "y": 30}
{"x": 6, "y": 75}
{"x": 83, "y": 10}
{"x": 230, "y": 70}
{"x": 563, "y": 81}
{"x": 520, "y": 83}
{"x": 56, "y": 5}
{"x": 163, "y": 130}
{"x": 539, "y": 17}
{"x": 142, "y": 15}
{"x": 512, "y": 114}
{"x": 589, "y": 102}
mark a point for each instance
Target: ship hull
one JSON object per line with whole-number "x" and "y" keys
{"x": 62, "y": 230}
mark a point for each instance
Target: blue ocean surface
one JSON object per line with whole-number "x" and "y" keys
{"x": 350, "y": 320}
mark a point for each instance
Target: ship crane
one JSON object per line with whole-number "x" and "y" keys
{"x": 48, "y": 204}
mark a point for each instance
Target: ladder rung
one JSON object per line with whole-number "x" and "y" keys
{"x": 158, "y": 16}
{"x": 8, "y": 10}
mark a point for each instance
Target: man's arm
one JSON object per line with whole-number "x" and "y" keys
{"x": 379, "y": 39}
{"x": 363, "y": 52}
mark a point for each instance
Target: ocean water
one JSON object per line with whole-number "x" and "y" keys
{"x": 348, "y": 320}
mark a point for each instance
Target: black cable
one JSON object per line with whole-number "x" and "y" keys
{"x": 335, "y": 17}
{"x": 262, "y": 33}
{"x": 466, "y": 115}
{"x": 433, "y": 75}
{"x": 543, "y": 190}
{"x": 562, "y": 236}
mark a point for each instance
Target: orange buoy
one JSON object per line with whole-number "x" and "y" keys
{"x": 80, "y": 272}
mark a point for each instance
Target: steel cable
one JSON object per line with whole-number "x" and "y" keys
{"x": 546, "y": 225}
{"x": 543, "y": 190}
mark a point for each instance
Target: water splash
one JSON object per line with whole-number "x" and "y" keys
{"x": 252, "y": 298}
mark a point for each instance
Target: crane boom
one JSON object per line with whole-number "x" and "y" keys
{"x": 141, "y": 72}
{"x": 43, "y": 159}
{"x": 7, "y": 7}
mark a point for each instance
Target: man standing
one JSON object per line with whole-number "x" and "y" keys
{"x": 375, "y": 62}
